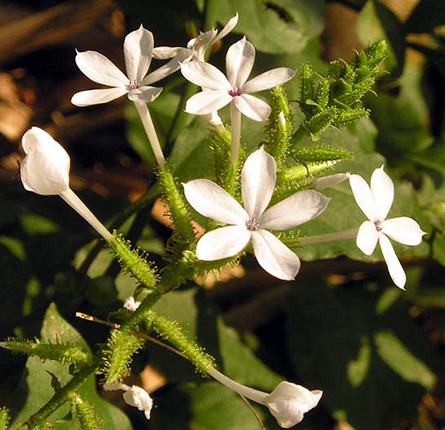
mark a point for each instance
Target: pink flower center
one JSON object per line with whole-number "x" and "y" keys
{"x": 252, "y": 225}
{"x": 133, "y": 85}
{"x": 378, "y": 225}
{"x": 235, "y": 92}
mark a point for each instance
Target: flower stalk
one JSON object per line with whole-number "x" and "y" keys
{"x": 149, "y": 128}
{"x": 235, "y": 115}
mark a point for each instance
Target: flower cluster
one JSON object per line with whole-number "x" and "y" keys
{"x": 249, "y": 226}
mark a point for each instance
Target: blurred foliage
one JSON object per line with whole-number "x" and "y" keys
{"x": 375, "y": 351}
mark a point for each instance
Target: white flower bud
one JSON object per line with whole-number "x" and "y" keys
{"x": 45, "y": 169}
{"x": 139, "y": 398}
{"x": 289, "y": 402}
{"x": 131, "y": 304}
{"x": 133, "y": 396}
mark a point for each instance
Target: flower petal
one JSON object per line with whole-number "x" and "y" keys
{"x": 252, "y": 107}
{"x": 403, "y": 230}
{"x": 367, "y": 237}
{"x": 363, "y": 197}
{"x": 239, "y": 62}
{"x": 45, "y": 169}
{"x": 329, "y": 181}
{"x": 210, "y": 200}
{"x": 95, "y": 97}
{"x": 227, "y": 28}
{"x": 138, "y": 50}
{"x": 222, "y": 243}
{"x": 297, "y": 209}
{"x": 258, "y": 179}
{"x": 167, "y": 52}
{"x": 273, "y": 256}
{"x": 269, "y": 79}
{"x": 394, "y": 267}
{"x": 100, "y": 69}
{"x": 382, "y": 189}
{"x": 201, "y": 43}
{"x": 144, "y": 94}
{"x": 205, "y": 75}
{"x": 167, "y": 69}
{"x": 206, "y": 102}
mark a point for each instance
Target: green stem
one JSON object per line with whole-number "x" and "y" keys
{"x": 169, "y": 279}
{"x": 61, "y": 396}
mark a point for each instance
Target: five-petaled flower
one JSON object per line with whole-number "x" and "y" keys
{"x": 219, "y": 91}
{"x": 138, "y": 52}
{"x": 375, "y": 202}
{"x": 251, "y": 223}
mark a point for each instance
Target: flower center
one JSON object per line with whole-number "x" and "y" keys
{"x": 378, "y": 225}
{"x": 235, "y": 92}
{"x": 252, "y": 224}
{"x": 133, "y": 85}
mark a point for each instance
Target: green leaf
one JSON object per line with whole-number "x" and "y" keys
{"x": 192, "y": 156}
{"x": 197, "y": 317}
{"x": 36, "y": 387}
{"x": 368, "y": 354}
{"x": 267, "y": 23}
{"x": 402, "y": 120}
{"x": 377, "y": 22}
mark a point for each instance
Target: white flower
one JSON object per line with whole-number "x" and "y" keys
{"x": 375, "y": 202}
{"x": 199, "y": 45}
{"x": 220, "y": 91}
{"x": 133, "y": 396}
{"x": 289, "y": 402}
{"x": 45, "y": 170}
{"x": 251, "y": 223}
{"x": 138, "y": 50}
{"x": 131, "y": 304}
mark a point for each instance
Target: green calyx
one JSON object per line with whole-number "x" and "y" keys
{"x": 279, "y": 127}
{"x": 133, "y": 261}
{"x": 4, "y": 419}
{"x": 178, "y": 208}
{"x": 85, "y": 413}
{"x": 118, "y": 353}
{"x": 171, "y": 331}
{"x": 331, "y": 100}
{"x": 62, "y": 353}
